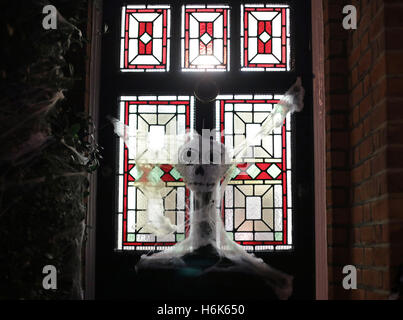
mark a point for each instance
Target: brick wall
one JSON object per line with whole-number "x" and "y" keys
{"x": 364, "y": 97}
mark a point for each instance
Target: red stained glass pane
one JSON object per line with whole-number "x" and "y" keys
{"x": 257, "y": 206}
{"x": 161, "y": 115}
{"x": 265, "y": 38}
{"x": 145, "y": 39}
{"x": 205, "y": 38}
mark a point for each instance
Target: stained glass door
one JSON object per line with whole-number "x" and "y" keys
{"x": 155, "y": 56}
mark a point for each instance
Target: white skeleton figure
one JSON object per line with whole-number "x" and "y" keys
{"x": 208, "y": 180}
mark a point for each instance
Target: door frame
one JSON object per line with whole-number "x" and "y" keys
{"x": 92, "y": 106}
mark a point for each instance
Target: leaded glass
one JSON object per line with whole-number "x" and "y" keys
{"x": 265, "y": 37}
{"x": 205, "y": 38}
{"x": 159, "y": 116}
{"x": 145, "y": 38}
{"x": 257, "y": 207}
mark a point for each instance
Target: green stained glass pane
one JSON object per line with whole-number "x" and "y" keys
{"x": 235, "y": 172}
{"x": 131, "y": 238}
{"x": 174, "y": 173}
{"x": 155, "y": 174}
{"x": 136, "y": 173}
{"x": 230, "y": 235}
{"x": 278, "y": 236}
{"x": 253, "y": 171}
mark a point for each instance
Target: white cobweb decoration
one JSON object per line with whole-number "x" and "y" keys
{"x": 207, "y": 182}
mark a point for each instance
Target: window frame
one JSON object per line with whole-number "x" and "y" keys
{"x": 96, "y": 28}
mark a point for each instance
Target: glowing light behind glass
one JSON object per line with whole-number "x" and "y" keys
{"x": 205, "y": 38}
{"x": 265, "y": 37}
{"x": 263, "y": 179}
{"x": 145, "y": 38}
{"x": 159, "y": 115}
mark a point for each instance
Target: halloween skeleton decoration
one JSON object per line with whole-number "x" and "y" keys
{"x": 206, "y": 167}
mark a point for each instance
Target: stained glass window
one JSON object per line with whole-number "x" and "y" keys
{"x": 162, "y": 115}
{"x": 145, "y": 38}
{"x": 265, "y": 37}
{"x": 257, "y": 207}
{"x": 205, "y": 38}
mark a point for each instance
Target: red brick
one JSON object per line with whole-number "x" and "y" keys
{"x": 395, "y": 184}
{"x": 357, "y": 94}
{"x": 367, "y": 234}
{"x": 372, "y": 295}
{"x": 340, "y": 178}
{"x": 338, "y": 121}
{"x": 381, "y": 256}
{"x": 357, "y": 256}
{"x": 379, "y": 90}
{"x": 366, "y": 148}
{"x": 368, "y": 256}
{"x": 354, "y": 57}
{"x": 394, "y": 157}
{"x": 365, "y": 63}
{"x": 372, "y": 278}
{"x": 378, "y": 115}
{"x": 394, "y": 38}
{"x": 357, "y": 214}
{"x": 381, "y": 233}
{"x": 341, "y": 216}
{"x": 394, "y": 63}
{"x": 337, "y": 159}
{"x": 367, "y": 213}
{"x": 393, "y": 16}
{"x": 341, "y": 256}
{"x": 358, "y": 294}
{"x": 395, "y": 109}
{"x": 395, "y": 133}
{"x": 395, "y": 208}
{"x": 338, "y": 139}
{"x": 380, "y": 209}
{"x": 357, "y": 134}
{"x": 377, "y": 25}
{"x": 379, "y": 138}
{"x": 395, "y": 86}
{"x": 378, "y": 70}
{"x": 338, "y": 102}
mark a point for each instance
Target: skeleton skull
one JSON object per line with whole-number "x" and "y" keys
{"x": 201, "y": 168}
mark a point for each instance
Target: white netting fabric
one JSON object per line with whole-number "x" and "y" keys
{"x": 207, "y": 182}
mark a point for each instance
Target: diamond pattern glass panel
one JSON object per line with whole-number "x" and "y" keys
{"x": 265, "y": 37}
{"x": 145, "y": 38}
{"x": 257, "y": 207}
{"x": 157, "y": 115}
{"x": 205, "y": 38}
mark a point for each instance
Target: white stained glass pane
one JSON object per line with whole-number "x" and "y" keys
{"x": 131, "y": 194}
{"x": 229, "y": 219}
{"x": 264, "y": 236}
{"x": 244, "y": 236}
{"x": 253, "y": 208}
{"x": 205, "y": 38}
{"x": 252, "y": 129}
{"x": 260, "y": 188}
{"x": 157, "y": 115}
{"x": 145, "y": 38}
{"x": 119, "y": 233}
{"x": 278, "y": 219}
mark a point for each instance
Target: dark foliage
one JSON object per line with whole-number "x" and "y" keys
{"x": 47, "y": 149}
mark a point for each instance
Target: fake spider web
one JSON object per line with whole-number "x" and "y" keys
{"x": 208, "y": 182}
